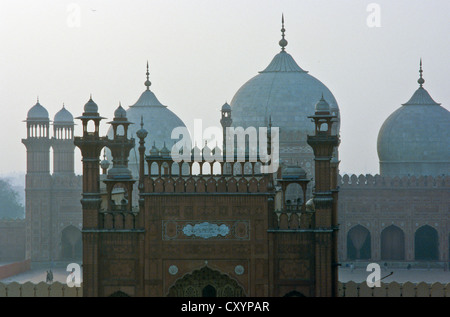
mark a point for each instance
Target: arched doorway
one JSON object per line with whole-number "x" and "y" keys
{"x": 71, "y": 243}
{"x": 426, "y": 244}
{"x": 392, "y": 243}
{"x": 119, "y": 294}
{"x": 209, "y": 291}
{"x": 206, "y": 283}
{"x": 294, "y": 294}
{"x": 358, "y": 243}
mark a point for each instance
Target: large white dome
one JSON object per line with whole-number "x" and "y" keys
{"x": 286, "y": 94}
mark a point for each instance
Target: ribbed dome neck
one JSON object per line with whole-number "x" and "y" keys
{"x": 283, "y": 62}
{"x": 148, "y": 99}
{"x": 421, "y": 97}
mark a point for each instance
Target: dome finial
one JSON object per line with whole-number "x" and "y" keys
{"x": 147, "y": 82}
{"x": 283, "y": 43}
{"x": 421, "y": 81}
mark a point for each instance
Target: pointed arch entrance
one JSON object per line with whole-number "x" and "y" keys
{"x": 392, "y": 244}
{"x": 71, "y": 243}
{"x": 358, "y": 243}
{"x": 426, "y": 244}
{"x": 206, "y": 282}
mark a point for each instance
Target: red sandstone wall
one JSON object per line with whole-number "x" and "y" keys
{"x": 14, "y": 268}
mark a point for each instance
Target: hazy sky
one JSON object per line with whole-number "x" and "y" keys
{"x": 202, "y": 51}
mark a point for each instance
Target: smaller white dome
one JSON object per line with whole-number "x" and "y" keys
{"x": 226, "y": 107}
{"x": 293, "y": 172}
{"x": 37, "y": 113}
{"x": 120, "y": 113}
{"x": 90, "y": 106}
{"x": 63, "y": 116}
{"x": 322, "y": 106}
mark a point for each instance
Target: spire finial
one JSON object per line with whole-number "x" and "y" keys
{"x": 142, "y": 122}
{"x": 283, "y": 43}
{"x": 147, "y": 82}
{"x": 421, "y": 81}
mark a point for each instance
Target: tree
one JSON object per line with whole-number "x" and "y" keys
{"x": 9, "y": 202}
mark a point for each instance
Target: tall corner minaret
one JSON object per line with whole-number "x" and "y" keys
{"x": 324, "y": 142}
{"x": 38, "y": 184}
{"x": 91, "y": 145}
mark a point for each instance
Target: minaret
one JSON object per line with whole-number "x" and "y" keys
{"x": 38, "y": 141}
{"x": 323, "y": 143}
{"x": 38, "y": 184}
{"x": 226, "y": 122}
{"x": 141, "y": 134}
{"x": 62, "y": 143}
{"x": 90, "y": 145}
{"x": 119, "y": 176}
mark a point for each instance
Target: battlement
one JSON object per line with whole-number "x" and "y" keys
{"x": 207, "y": 184}
{"x": 378, "y": 181}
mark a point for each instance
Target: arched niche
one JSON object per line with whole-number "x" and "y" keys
{"x": 206, "y": 282}
{"x": 358, "y": 243}
{"x": 392, "y": 243}
{"x": 71, "y": 243}
{"x": 426, "y": 244}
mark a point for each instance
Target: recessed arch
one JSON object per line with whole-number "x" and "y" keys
{"x": 119, "y": 294}
{"x": 294, "y": 294}
{"x": 426, "y": 244}
{"x": 71, "y": 243}
{"x": 392, "y": 243}
{"x": 293, "y": 195}
{"x": 206, "y": 282}
{"x": 358, "y": 243}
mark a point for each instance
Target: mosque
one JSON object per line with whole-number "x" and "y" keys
{"x": 399, "y": 216}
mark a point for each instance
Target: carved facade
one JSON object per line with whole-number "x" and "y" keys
{"x": 223, "y": 234}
